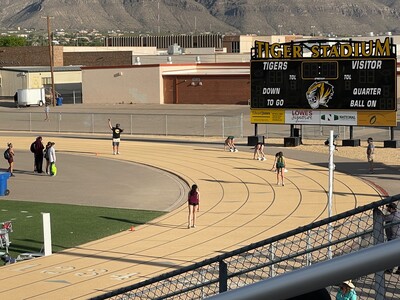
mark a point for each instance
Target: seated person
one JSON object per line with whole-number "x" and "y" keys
{"x": 230, "y": 142}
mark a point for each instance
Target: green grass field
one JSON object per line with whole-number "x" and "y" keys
{"x": 71, "y": 225}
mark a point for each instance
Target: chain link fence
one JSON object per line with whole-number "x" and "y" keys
{"x": 345, "y": 233}
{"x": 172, "y": 125}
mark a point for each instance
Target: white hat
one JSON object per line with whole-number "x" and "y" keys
{"x": 349, "y": 284}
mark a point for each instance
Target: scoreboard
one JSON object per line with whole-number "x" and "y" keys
{"x": 348, "y": 83}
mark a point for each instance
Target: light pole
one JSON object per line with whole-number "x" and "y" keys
{"x": 51, "y": 56}
{"x": 280, "y": 29}
{"x": 313, "y": 29}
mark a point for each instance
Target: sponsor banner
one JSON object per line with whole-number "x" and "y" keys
{"x": 267, "y": 116}
{"x": 377, "y": 118}
{"x": 338, "y": 118}
{"x": 302, "y": 116}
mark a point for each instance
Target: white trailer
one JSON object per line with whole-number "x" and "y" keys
{"x": 28, "y": 97}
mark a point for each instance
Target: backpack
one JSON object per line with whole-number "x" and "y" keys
{"x": 33, "y": 148}
{"x": 46, "y": 153}
{"x": 7, "y": 154}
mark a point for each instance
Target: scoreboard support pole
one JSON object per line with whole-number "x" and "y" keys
{"x": 392, "y": 143}
{"x": 351, "y": 142}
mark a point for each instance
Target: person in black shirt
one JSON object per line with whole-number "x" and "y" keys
{"x": 37, "y": 150}
{"x": 116, "y": 137}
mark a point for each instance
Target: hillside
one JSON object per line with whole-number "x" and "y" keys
{"x": 267, "y": 17}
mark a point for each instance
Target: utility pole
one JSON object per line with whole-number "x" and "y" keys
{"x": 51, "y": 56}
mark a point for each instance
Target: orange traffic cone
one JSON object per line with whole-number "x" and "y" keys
{"x": 132, "y": 228}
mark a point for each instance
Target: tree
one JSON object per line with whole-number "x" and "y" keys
{"x": 12, "y": 41}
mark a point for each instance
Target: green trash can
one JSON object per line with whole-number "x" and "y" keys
{"x": 3, "y": 183}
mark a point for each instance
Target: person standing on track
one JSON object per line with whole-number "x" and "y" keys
{"x": 116, "y": 137}
{"x": 370, "y": 154}
{"x": 280, "y": 168}
{"x": 193, "y": 204}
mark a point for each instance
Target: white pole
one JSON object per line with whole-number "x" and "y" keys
{"x": 330, "y": 188}
{"x": 47, "y": 234}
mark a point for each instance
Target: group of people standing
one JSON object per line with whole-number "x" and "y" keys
{"x": 41, "y": 153}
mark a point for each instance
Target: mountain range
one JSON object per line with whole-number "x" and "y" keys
{"x": 266, "y": 17}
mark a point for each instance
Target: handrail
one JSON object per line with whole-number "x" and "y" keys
{"x": 320, "y": 275}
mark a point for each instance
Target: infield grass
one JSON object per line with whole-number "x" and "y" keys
{"x": 71, "y": 225}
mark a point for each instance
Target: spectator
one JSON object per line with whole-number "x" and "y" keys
{"x": 393, "y": 231}
{"x": 346, "y": 291}
{"x": 259, "y": 151}
{"x": 193, "y": 204}
{"x": 37, "y": 149}
{"x": 116, "y": 137}
{"x": 46, "y": 157}
{"x": 9, "y": 156}
{"x": 370, "y": 154}
{"x": 47, "y": 111}
{"x": 16, "y": 99}
{"x": 52, "y": 159}
{"x": 230, "y": 143}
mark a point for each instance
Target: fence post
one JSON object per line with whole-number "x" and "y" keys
{"x": 223, "y": 277}
{"x": 223, "y": 127}
{"x": 59, "y": 122}
{"x": 166, "y": 125}
{"x": 272, "y": 258}
{"x": 378, "y": 237}
{"x": 204, "y": 125}
{"x": 309, "y": 247}
{"x": 241, "y": 125}
{"x": 92, "y": 123}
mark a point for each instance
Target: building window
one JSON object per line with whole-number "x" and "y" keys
{"x": 235, "y": 47}
{"x": 46, "y": 80}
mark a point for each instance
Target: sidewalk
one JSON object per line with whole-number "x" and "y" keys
{"x": 240, "y": 204}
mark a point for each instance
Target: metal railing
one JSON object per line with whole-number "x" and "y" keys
{"x": 352, "y": 231}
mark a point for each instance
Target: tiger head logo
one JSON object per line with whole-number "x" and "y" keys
{"x": 319, "y": 93}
